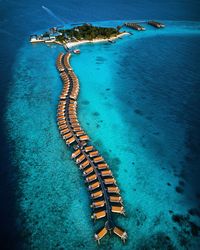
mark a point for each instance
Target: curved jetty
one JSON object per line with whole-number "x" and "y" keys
{"x": 105, "y": 195}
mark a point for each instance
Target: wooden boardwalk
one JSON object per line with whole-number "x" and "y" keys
{"x": 104, "y": 193}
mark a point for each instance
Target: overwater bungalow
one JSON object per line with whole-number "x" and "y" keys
{"x": 98, "y": 159}
{"x": 115, "y": 199}
{"x": 118, "y": 209}
{"x": 75, "y": 124}
{"x": 70, "y": 141}
{"x": 84, "y": 138}
{"x": 61, "y": 110}
{"x": 102, "y": 166}
{"x": 108, "y": 181}
{"x": 98, "y": 236}
{"x": 72, "y": 111}
{"x": 156, "y": 24}
{"x": 93, "y": 153}
{"x": 60, "y": 113}
{"x": 79, "y": 133}
{"x": 67, "y": 136}
{"x": 74, "y": 96}
{"x": 97, "y": 194}
{"x": 61, "y": 105}
{"x": 98, "y": 204}
{"x": 91, "y": 178}
{"x": 135, "y": 26}
{"x": 76, "y": 129}
{"x": 74, "y": 102}
{"x": 64, "y": 131}
{"x": 88, "y": 171}
{"x": 99, "y": 215}
{"x": 88, "y": 148}
{"x": 61, "y": 117}
{"x": 113, "y": 190}
{"x": 62, "y": 102}
{"x": 76, "y": 153}
{"x": 73, "y": 105}
{"x": 61, "y": 122}
{"x": 94, "y": 186}
{"x": 119, "y": 232}
{"x": 61, "y": 127}
{"x": 80, "y": 159}
{"x": 73, "y": 121}
{"x": 106, "y": 173}
{"x": 84, "y": 164}
{"x": 62, "y": 97}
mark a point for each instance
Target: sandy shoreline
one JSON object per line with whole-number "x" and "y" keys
{"x": 72, "y": 44}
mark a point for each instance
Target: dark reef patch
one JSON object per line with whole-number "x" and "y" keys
{"x": 198, "y": 196}
{"x": 138, "y": 112}
{"x": 85, "y": 102}
{"x": 179, "y": 189}
{"x": 116, "y": 161}
{"x": 178, "y": 218}
{"x": 194, "y": 212}
{"x": 150, "y": 118}
{"x": 186, "y": 226}
{"x": 100, "y": 59}
{"x": 156, "y": 241}
{"x": 181, "y": 183}
{"x": 95, "y": 113}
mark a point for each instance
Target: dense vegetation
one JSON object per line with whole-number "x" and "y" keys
{"x": 87, "y": 32}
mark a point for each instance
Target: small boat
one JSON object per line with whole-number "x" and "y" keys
{"x": 76, "y": 51}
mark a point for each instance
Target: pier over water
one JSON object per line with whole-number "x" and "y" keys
{"x": 104, "y": 192}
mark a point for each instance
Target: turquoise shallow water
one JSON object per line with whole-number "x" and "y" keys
{"x": 122, "y": 106}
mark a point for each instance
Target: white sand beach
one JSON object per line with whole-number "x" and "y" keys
{"x": 73, "y": 44}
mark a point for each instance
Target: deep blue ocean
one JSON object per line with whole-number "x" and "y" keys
{"x": 140, "y": 104}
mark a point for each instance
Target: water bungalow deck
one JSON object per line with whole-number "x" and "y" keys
{"x": 135, "y": 26}
{"x": 156, "y": 24}
{"x": 105, "y": 195}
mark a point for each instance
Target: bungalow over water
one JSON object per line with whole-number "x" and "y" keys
{"x": 135, "y": 26}
{"x": 156, "y": 24}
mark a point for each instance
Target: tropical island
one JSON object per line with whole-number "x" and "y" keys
{"x": 79, "y": 34}
{"x": 88, "y": 33}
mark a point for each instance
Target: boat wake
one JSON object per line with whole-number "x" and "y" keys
{"x": 53, "y": 15}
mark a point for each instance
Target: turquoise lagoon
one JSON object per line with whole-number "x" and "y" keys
{"x": 135, "y": 104}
